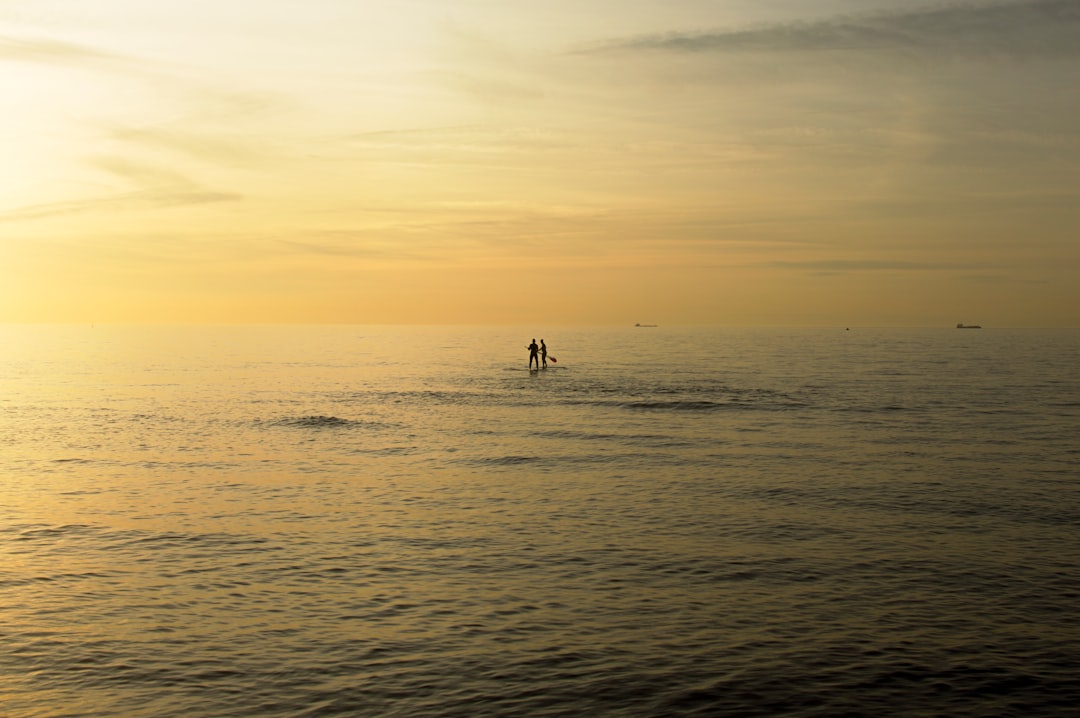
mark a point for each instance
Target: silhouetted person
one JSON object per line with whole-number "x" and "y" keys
{"x": 533, "y": 349}
{"x": 543, "y": 352}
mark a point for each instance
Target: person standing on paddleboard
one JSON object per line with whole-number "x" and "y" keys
{"x": 543, "y": 352}
{"x": 532, "y": 355}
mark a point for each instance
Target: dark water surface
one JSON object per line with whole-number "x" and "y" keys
{"x": 392, "y": 521}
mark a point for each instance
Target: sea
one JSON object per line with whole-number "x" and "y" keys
{"x": 302, "y": 521}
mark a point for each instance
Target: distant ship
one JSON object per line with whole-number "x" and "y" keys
{"x": 961, "y": 325}
{"x": 645, "y": 325}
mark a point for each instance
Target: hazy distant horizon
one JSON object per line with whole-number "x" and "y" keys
{"x": 527, "y": 326}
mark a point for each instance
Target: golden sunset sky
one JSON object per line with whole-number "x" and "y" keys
{"x": 733, "y": 162}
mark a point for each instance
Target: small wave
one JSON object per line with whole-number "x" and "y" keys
{"x": 315, "y": 422}
{"x": 733, "y": 403}
{"x": 51, "y": 578}
{"x": 508, "y": 460}
{"x": 560, "y": 462}
{"x": 633, "y": 440}
{"x": 678, "y": 405}
{"x": 39, "y": 532}
{"x": 878, "y": 409}
{"x": 385, "y": 451}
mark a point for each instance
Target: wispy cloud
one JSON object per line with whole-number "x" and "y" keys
{"x": 55, "y": 52}
{"x": 119, "y": 202}
{"x": 1037, "y": 28}
{"x": 199, "y": 90}
{"x": 154, "y": 188}
{"x": 869, "y": 265}
{"x": 217, "y": 149}
{"x": 345, "y": 244}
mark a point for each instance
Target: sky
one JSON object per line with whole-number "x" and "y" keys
{"x": 727, "y": 162}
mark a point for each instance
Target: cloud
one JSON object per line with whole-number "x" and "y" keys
{"x": 1041, "y": 28}
{"x": 195, "y": 88}
{"x": 863, "y": 265}
{"x": 154, "y": 188}
{"x": 120, "y": 202}
{"x": 218, "y": 149}
{"x": 456, "y": 143}
{"x": 345, "y": 244}
{"x": 52, "y": 51}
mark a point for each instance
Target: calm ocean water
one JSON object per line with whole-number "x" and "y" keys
{"x": 373, "y": 521}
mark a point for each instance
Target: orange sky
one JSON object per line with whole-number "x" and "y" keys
{"x": 793, "y": 162}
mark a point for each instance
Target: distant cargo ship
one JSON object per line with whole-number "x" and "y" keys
{"x": 968, "y": 326}
{"x": 645, "y": 325}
